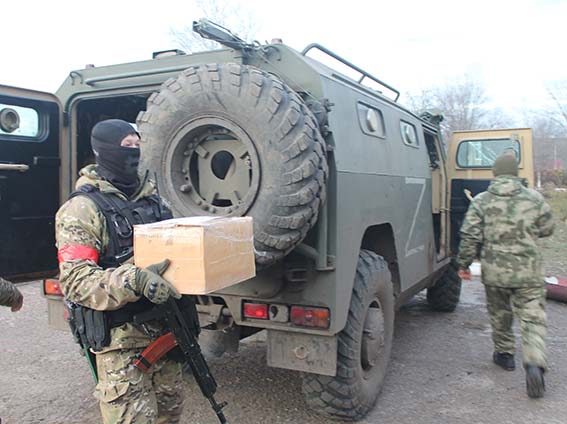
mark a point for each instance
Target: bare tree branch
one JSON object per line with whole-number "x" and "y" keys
{"x": 464, "y": 105}
{"x": 558, "y": 93}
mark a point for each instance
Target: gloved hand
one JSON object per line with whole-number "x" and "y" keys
{"x": 151, "y": 283}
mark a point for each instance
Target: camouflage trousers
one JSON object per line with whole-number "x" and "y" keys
{"x": 127, "y": 395}
{"x": 527, "y": 304}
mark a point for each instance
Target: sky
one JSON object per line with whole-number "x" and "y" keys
{"x": 514, "y": 48}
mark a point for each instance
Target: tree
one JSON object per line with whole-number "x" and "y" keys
{"x": 464, "y": 105}
{"x": 231, "y": 15}
{"x": 558, "y": 111}
{"x": 543, "y": 127}
{"x": 549, "y": 125}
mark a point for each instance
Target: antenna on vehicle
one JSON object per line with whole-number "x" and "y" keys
{"x": 215, "y": 32}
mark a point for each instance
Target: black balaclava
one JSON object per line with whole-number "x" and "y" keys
{"x": 117, "y": 164}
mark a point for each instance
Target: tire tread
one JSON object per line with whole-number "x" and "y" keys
{"x": 339, "y": 397}
{"x": 296, "y": 138}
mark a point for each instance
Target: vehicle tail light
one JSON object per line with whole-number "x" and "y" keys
{"x": 51, "y": 287}
{"x": 307, "y": 316}
{"x": 256, "y": 310}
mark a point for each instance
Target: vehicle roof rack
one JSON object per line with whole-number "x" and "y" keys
{"x": 352, "y": 66}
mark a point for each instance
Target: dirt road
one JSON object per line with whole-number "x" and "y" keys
{"x": 440, "y": 373}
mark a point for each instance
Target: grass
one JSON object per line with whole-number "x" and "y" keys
{"x": 558, "y": 202}
{"x": 554, "y": 248}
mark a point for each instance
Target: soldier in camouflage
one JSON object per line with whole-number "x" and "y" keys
{"x": 503, "y": 225}
{"x": 83, "y": 234}
{"x": 10, "y": 296}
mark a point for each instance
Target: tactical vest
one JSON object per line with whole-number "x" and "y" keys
{"x": 91, "y": 328}
{"x": 121, "y": 215}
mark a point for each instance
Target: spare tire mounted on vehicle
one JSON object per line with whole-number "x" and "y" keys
{"x": 231, "y": 140}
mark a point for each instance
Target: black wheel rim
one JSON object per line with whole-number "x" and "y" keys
{"x": 213, "y": 167}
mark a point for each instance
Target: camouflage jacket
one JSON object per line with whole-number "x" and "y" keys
{"x": 79, "y": 222}
{"x": 9, "y": 294}
{"x": 503, "y": 224}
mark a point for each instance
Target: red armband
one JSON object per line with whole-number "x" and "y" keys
{"x": 76, "y": 251}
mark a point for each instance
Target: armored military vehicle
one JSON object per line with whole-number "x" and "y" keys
{"x": 347, "y": 188}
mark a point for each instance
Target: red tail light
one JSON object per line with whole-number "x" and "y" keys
{"x": 51, "y": 287}
{"x": 256, "y": 310}
{"x": 307, "y": 316}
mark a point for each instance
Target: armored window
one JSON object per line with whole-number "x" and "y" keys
{"x": 18, "y": 122}
{"x": 409, "y": 135}
{"x": 482, "y": 153}
{"x": 371, "y": 120}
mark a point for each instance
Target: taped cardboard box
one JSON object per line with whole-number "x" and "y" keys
{"x": 206, "y": 253}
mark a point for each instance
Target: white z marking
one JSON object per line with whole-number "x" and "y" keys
{"x": 420, "y": 181}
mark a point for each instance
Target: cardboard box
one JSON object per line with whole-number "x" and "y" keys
{"x": 206, "y": 253}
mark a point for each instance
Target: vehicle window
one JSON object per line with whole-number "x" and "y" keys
{"x": 409, "y": 135}
{"x": 371, "y": 120}
{"x": 18, "y": 121}
{"x": 482, "y": 153}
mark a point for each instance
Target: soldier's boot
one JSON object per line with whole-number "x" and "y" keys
{"x": 535, "y": 383}
{"x": 504, "y": 360}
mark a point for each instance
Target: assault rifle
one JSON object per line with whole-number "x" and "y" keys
{"x": 183, "y": 325}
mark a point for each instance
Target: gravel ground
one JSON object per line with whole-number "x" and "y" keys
{"x": 440, "y": 373}
{"x": 554, "y": 248}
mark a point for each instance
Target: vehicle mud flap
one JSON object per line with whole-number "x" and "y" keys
{"x": 302, "y": 352}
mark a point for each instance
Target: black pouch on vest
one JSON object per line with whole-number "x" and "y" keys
{"x": 77, "y": 324}
{"x": 97, "y": 329}
{"x": 90, "y": 328}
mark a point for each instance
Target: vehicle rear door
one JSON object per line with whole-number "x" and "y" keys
{"x": 29, "y": 182}
{"x": 470, "y": 157}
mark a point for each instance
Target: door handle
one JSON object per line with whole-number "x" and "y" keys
{"x": 14, "y": 167}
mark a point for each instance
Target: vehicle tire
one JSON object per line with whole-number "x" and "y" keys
{"x": 232, "y": 140}
{"x": 364, "y": 346}
{"x": 444, "y": 295}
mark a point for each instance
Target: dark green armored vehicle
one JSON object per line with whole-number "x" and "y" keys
{"x": 348, "y": 191}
